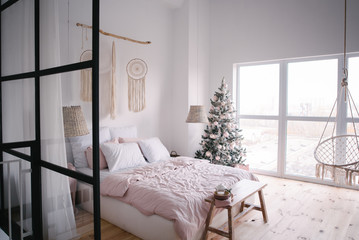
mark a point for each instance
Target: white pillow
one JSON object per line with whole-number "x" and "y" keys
{"x": 124, "y": 155}
{"x": 153, "y": 149}
{"x": 124, "y": 132}
{"x": 81, "y": 143}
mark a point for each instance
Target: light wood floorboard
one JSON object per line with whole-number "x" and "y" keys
{"x": 296, "y": 210}
{"x": 84, "y": 224}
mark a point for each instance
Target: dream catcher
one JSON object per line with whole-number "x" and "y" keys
{"x": 136, "y": 71}
{"x": 86, "y": 78}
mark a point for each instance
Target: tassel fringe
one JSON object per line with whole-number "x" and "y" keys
{"x": 86, "y": 85}
{"x": 136, "y": 94}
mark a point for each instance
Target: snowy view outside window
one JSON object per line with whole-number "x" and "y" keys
{"x": 259, "y": 96}
{"x": 283, "y": 107}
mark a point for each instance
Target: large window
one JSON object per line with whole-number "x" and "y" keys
{"x": 283, "y": 107}
{"x": 258, "y": 104}
{"x": 312, "y": 87}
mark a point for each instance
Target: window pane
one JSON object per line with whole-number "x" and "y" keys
{"x": 12, "y": 176}
{"x": 353, "y": 82}
{"x": 350, "y": 127}
{"x": 65, "y": 43}
{"x": 18, "y": 106}
{"x": 302, "y": 139}
{"x": 17, "y": 38}
{"x": 312, "y": 87}
{"x": 259, "y": 90}
{"x": 82, "y": 198}
{"x": 261, "y": 143}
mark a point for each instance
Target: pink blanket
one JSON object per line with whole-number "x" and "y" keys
{"x": 174, "y": 189}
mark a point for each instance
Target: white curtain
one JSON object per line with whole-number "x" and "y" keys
{"x": 58, "y": 215}
{"x": 18, "y": 105}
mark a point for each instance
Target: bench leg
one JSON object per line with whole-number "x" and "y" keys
{"x": 208, "y": 221}
{"x": 263, "y": 206}
{"x": 230, "y": 219}
{"x": 242, "y": 207}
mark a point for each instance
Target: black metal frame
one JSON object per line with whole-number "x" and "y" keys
{"x": 35, "y": 146}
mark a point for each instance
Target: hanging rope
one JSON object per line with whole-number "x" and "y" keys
{"x": 345, "y": 69}
{"x": 340, "y": 154}
{"x": 345, "y": 37}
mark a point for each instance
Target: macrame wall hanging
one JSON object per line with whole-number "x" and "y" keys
{"x": 113, "y": 83}
{"x": 136, "y": 71}
{"x": 86, "y": 78}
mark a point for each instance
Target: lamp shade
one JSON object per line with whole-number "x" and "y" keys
{"x": 74, "y": 122}
{"x": 197, "y": 114}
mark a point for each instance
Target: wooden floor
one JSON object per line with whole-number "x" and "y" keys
{"x": 84, "y": 224}
{"x": 296, "y": 210}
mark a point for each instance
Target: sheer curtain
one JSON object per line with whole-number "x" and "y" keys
{"x": 18, "y": 105}
{"x": 58, "y": 215}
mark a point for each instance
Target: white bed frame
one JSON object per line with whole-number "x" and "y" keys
{"x": 128, "y": 218}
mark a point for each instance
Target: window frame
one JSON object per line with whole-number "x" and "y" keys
{"x": 283, "y": 118}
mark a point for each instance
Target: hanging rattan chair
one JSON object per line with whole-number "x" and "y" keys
{"x": 339, "y": 154}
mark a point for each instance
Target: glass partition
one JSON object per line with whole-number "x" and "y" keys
{"x": 61, "y": 25}
{"x": 17, "y": 38}
{"x": 17, "y": 195}
{"x": 18, "y": 101}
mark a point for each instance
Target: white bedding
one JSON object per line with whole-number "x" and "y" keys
{"x": 132, "y": 220}
{"x": 129, "y": 218}
{"x": 103, "y": 173}
{"x": 174, "y": 189}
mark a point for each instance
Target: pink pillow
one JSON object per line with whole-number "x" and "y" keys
{"x": 103, "y": 163}
{"x": 71, "y": 166}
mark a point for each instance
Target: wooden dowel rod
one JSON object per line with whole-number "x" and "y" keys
{"x": 114, "y": 35}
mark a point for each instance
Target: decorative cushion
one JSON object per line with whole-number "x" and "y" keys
{"x": 71, "y": 166}
{"x": 120, "y": 156}
{"x": 124, "y": 132}
{"x": 89, "y": 154}
{"x": 153, "y": 149}
{"x": 81, "y": 143}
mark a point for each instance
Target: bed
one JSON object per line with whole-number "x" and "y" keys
{"x": 131, "y": 196}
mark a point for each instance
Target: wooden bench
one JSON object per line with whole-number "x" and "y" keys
{"x": 241, "y": 191}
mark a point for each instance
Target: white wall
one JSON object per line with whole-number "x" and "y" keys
{"x": 191, "y": 72}
{"x": 256, "y": 30}
{"x": 172, "y": 83}
{"x": 199, "y": 67}
{"x": 221, "y": 32}
{"x": 180, "y": 77}
{"x": 139, "y": 19}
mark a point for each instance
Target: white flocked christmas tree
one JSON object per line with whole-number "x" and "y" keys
{"x": 222, "y": 139}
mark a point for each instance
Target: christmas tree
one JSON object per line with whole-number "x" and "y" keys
{"x": 222, "y": 140}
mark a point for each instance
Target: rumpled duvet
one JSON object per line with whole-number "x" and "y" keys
{"x": 174, "y": 189}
